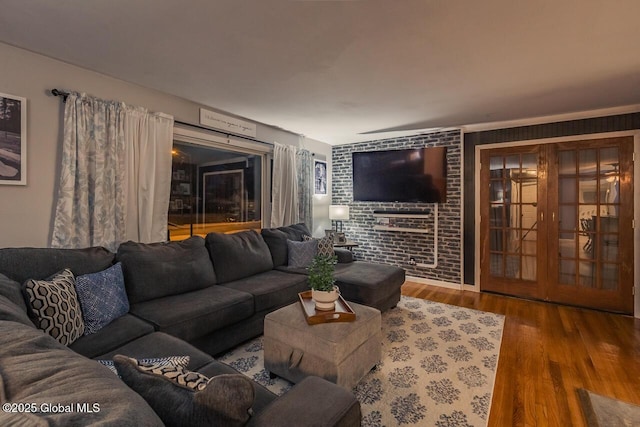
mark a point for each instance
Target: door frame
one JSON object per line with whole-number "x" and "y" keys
{"x": 636, "y": 194}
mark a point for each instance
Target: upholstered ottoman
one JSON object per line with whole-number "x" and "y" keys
{"x": 341, "y": 352}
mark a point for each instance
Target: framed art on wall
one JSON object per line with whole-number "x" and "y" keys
{"x": 13, "y": 140}
{"x": 320, "y": 176}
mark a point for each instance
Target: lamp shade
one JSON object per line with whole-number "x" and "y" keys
{"x": 338, "y": 212}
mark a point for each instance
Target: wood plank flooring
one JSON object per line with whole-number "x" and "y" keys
{"x": 548, "y": 351}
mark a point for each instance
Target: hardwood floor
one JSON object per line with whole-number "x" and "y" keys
{"x": 548, "y": 351}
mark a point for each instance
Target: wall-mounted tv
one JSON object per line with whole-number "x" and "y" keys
{"x": 416, "y": 175}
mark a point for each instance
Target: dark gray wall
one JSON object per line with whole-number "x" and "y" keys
{"x": 524, "y": 133}
{"x": 393, "y": 247}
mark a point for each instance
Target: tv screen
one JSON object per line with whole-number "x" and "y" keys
{"x": 413, "y": 175}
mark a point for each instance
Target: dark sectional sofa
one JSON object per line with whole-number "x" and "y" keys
{"x": 199, "y": 297}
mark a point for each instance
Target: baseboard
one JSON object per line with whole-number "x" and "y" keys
{"x": 433, "y": 282}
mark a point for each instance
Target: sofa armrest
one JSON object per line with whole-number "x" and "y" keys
{"x": 345, "y": 256}
{"x": 312, "y": 402}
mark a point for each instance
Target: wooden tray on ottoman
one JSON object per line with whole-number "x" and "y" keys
{"x": 342, "y": 313}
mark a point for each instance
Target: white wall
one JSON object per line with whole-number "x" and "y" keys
{"x": 26, "y": 212}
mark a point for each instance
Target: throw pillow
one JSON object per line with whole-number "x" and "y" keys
{"x": 54, "y": 304}
{"x": 301, "y": 253}
{"x": 325, "y": 245}
{"x": 225, "y": 400}
{"x": 103, "y": 298}
{"x": 160, "y": 361}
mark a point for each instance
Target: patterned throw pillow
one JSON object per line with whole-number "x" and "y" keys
{"x": 301, "y": 253}
{"x": 325, "y": 245}
{"x": 54, "y": 304}
{"x": 159, "y": 361}
{"x": 103, "y": 297}
{"x": 224, "y": 400}
{"x": 177, "y": 374}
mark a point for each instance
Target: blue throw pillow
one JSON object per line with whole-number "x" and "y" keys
{"x": 301, "y": 253}
{"x": 103, "y": 297}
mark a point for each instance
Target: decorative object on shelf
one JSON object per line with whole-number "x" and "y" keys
{"x": 322, "y": 283}
{"x": 338, "y": 213}
{"x": 397, "y": 220}
{"x": 13, "y": 140}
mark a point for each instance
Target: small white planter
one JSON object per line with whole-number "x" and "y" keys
{"x": 325, "y": 301}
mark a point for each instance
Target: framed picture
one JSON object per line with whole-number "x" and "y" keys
{"x": 330, "y": 233}
{"x": 320, "y": 176}
{"x": 13, "y": 140}
{"x": 184, "y": 188}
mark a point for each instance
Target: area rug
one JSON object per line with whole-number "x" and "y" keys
{"x": 438, "y": 366}
{"x": 602, "y": 411}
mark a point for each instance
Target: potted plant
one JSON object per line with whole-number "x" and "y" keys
{"x": 324, "y": 292}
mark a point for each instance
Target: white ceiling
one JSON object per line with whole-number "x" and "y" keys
{"x": 339, "y": 71}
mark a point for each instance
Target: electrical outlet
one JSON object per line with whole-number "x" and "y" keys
{"x": 412, "y": 261}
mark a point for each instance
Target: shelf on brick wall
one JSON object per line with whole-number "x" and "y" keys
{"x": 390, "y": 224}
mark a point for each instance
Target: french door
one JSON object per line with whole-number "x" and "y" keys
{"x": 556, "y": 222}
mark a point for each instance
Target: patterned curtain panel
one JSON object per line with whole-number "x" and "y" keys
{"x": 284, "y": 204}
{"x": 100, "y": 174}
{"x": 305, "y": 187}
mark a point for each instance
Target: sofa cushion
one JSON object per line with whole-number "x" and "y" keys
{"x": 194, "y": 314}
{"x": 224, "y": 401}
{"x": 37, "y": 369}
{"x": 263, "y": 397}
{"x": 117, "y": 333}
{"x": 325, "y": 245}
{"x": 238, "y": 255}
{"x": 155, "y": 270}
{"x": 103, "y": 297}
{"x": 300, "y": 254}
{"x": 271, "y": 289}
{"x": 159, "y": 344}
{"x": 182, "y": 361}
{"x": 12, "y": 312}
{"x": 55, "y": 306}
{"x": 13, "y": 291}
{"x": 276, "y": 239}
{"x": 21, "y": 264}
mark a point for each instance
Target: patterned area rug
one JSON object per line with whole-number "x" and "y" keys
{"x": 438, "y": 366}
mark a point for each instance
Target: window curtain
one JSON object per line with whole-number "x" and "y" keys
{"x": 103, "y": 197}
{"x": 305, "y": 184}
{"x": 284, "y": 203}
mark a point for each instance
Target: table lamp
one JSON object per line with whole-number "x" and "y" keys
{"x": 338, "y": 213}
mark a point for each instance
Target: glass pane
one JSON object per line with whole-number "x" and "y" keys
{"x": 495, "y": 240}
{"x": 609, "y": 161}
{"x": 567, "y": 190}
{"x": 610, "y": 276}
{"x": 529, "y": 217}
{"x": 608, "y": 224}
{"x": 514, "y": 195}
{"x": 567, "y": 217}
{"x": 512, "y": 163}
{"x": 609, "y": 189}
{"x": 496, "y": 212}
{"x": 529, "y": 191}
{"x": 587, "y": 161}
{"x": 529, "y": 242}
{"x": 588, "y": 189}
{"x": 568, "y": 245}
{"x": 567, "y": 272}
{"x": 567, "y": 162}
{"x": 587, "y": 274}
{"x": 213, "y": 190}
{"x": 496, "y": 191}
{"x": 528, "y": 268}
{"x": 588, "y": 212}
{"x": 496, "y": 163}
{"x": 530, "y": 164}
{"x": 513, "y": 241}
{"x": 513, "y": 216}
{"x": 512, "y": 268}
{"x": 496, "y": 268}
{"x": 587, "y": 245}
{"x": 609, "y": 247}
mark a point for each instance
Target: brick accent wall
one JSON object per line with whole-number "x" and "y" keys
{"x": 397, "y": 247}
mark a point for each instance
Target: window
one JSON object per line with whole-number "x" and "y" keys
{"x": 214, "y": 188}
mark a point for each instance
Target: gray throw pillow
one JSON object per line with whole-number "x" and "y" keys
{"x": 301, "y": 253}
{"x": 225, "y": 400}
{"x": 54, "y": 304}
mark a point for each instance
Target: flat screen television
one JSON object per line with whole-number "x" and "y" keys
{"x": 416, "y": 175}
